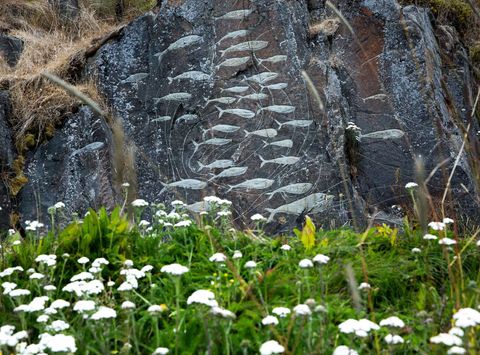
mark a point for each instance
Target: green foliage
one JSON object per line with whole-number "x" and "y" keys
{"x": 417, "y": 287}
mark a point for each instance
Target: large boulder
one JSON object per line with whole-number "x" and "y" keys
{"x": 74, "y": 167}
{"x": 6, "y": 158}
{"x": 215, "y": 97}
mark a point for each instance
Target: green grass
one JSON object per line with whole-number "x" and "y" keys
{"x": 417, "y": 287}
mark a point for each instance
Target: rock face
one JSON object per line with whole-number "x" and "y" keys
{"x": 10, "y": 49}
{"x": 6, "y": 159}
{"x": 252, "y": 100}
{"x": 214, "y": 99}
{"x": 73, "y": 167}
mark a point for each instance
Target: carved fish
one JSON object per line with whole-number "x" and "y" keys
{"x": 245, "y": 46}
{"x": 198, "y": 207}
{"x": 274, "y": 59}
{"x": 233, "y": 62}
{"x": 190, "y": 75}
{"x": 253, "y": 97}
{"x": 212, "y": 141}
{"x": 236, "y": 89}
{"x": 314, "y": 203}
{"x": 224, "y": 128}
{"x": 295, "y": 189}
{"x": 162, "y": 119}
{"x": 295, "y": 123}
{"x": 217, "y": 164}
{"x": 266, "y": 133}
{"x": 192, "y": 184}
{"x": 223, "y": 100}
{"x": 253, "y": 184}
{"x": 284, "y": 160}
{"x": 188, "y": 118}
{"x": 176, "y": 96}
{"x": 180, "y": 43}
{"x": 237, "y": 112}
{"x": 286, "y": 143}
{"x": 386, "y": 134}
{"x": 278, "y": 109}
{"x": 279, "y": 86}
{"x": 135, "y": 77}
{"x": 262, "y": 78}
{"x": 236, "y": 15}
{"x": 234, "y": 34}
{"x": 231, "y": 172}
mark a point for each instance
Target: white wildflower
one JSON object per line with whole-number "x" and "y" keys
{"x": 84, "y": 306}
{"x": 285, "y": 247}
{"x": 282, "y": 312}
{"x": 344, "y": 350}
{"x": 128, "y": 305}
{"x": 104, "y": 313}
{"x": 250, "y": 264}
{"x": 446, "y": 339}
{"x": 160, "y": 351}
{"x": 305, "y": 263}
{"x": 237, "y": 254}
{"x": 364, "y": 286}
{"x": 393, "y": 321}
{"x": 174, "y": 269}
{"x": 203, "y": 297}
{"x": 258, "y": 217}
{"x": 302, "y": 310}
{"x": 270, "y": 320}
{"x": 139, "y": 203}
{"x": 58, "y": 326}
{"x": 218, "y": 258}
{"x": 271, "y": 347}
{"x": 321, "y": 259}
{"x": 181, "y": 224}
{"x": 447, "y": 241}
{"x": 437, "y": 226}
{"x": 430, "y": 237}
{"x": 83, "y": 260}
{"x": 223, "y": 313}
{"x": 411, "y": 185}
{"x": 58, "y": 343}
{"x": 456, "y": 350}
{"x": 393, "y": 339}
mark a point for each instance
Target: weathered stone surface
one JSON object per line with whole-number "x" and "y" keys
{"x": 6, "y": 158}
{"x": 10, "y": 49}
{"x": 73, "y": 167}
{"x": 163, "y": 75}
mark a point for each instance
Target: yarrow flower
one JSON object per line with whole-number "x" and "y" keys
{"x": 237, "y": 254}
{"x": 139, "y": 203}
{"x": 250, "y": 264}
{"x": 302, "y": 310}
{"x": 258, "y": 217}
{"x": 360, "y": 327}
{"x": 271, "y": 347}
{"x": 305, "y": 263}
{"x": 160, "y": 351}
{"x": 83, "y": 260}
{"x": 156, "y": 309}
{"x": 416, "y": 250}
{"x": 393, "y": 339}
{"x": 203, "y": 297}
{"x": 456, "y": 350}
{"x": 104, "y": 313}
{"x": 466, "y": 317}
{"x": 344, "y": 350}
{"x": 282, "y": 312}
{"x": 58, "y": 343}
{"x": 447, "y": 220}
{"x": 174, "y": 269}
{"x": 437, "y": 226}
{"x": 411, "y": 185}
{"x": 128, "y": 305}
{"x": 58, "y": 326}
{"x": 446, "y": 339}
{"x": 430, "y": 237}
{"x": 364, "y": 286}
{"x": 270, "y": 320}
{"x": 177, "y": 203}
{"x": 393, "y": 321}
{"x": 447, "y": 241}
{"x": 84, "y": 306}
{"x": 49, "y": 260}
{"x": 321, "y": 259}
{"x": 180, "y": 224}
{"x": 218, "y": 258}
{"x": 223, "y": 313}
{"x": 285, "y": 247}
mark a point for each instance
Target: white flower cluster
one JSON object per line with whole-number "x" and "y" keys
{"x": 360, "y": 327}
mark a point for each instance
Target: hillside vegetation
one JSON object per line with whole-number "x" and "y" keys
{"x": 105, "y": 284}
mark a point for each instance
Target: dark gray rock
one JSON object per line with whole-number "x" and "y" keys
{"x": 6, "y": 159}
{"x": 164, "y": 71}
{"x": 10, "y": 49}
{"x": 74, "y": 167}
